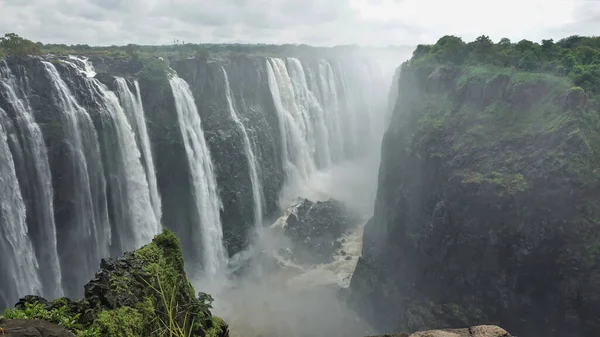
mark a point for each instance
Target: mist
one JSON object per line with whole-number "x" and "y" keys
{"x": 264, "y": 292}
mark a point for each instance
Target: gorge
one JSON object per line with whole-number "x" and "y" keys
{"x": 314, "y": 192}
{"x": 103, "y": 152}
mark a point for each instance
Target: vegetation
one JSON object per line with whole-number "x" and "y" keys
{"x": 181, "y": 49}
{"x": 12, "y": 44}
{"x": 576, "y": 56}
{"x": 148, "y": 295}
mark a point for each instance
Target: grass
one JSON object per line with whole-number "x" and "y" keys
{"x": 152, "y": 298}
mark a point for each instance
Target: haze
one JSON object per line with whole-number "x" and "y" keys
{"x": 315, "y": 22}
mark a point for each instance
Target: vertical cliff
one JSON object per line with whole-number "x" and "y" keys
{"x": 98, "y": 167}
{"x": 487, "y": 208}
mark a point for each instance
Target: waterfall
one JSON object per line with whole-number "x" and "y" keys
{"x": 19, "y": 263}
{"x": 134, "y": 217}
{"x": 317, "y": 133}
{"x": 297, "y": 160}
{"x": 35, "y": 171}
{"x": 89, "y": 228}
{"x": 330, "y": 97}
{"x": 249, "y": 152}
{"x": 132, "y": 105}
{"x": 204, "y": 182}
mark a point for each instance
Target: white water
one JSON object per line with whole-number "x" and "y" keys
{"x": 136, "y": 222}
{"x": 90, "y": 215}
{"x": 17, "y": 251}
{"x": 140, "y": 216}
{"x": 132, "y": 104}
{"x": 298, "y": 164}
{"x": 202, "y": 176}
{"x": 312, "y": 113}
{"x": 35, "y": 149}
{"x": 257, "y": 194}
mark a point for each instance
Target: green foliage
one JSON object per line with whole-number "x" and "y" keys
{"x": 575, "y": 56}
{"x": 155, "y": 71}
{"x": 60, "y": 316}
{"x": 152, "y": 297}
{"x": 13, "y": 44}
{"x": 121, "y": 322}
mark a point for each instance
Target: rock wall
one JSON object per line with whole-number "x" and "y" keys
{"x": 487, "y": 208}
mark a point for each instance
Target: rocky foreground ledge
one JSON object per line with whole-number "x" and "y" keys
{"x": 476, "y": 331}
{"x": 142, "y": 294}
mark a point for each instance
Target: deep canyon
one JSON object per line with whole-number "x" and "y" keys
{"x": 101, "y": 153}
{"x": 334, "y": 192}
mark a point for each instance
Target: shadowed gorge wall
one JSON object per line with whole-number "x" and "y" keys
{"x": 487, "y": 205}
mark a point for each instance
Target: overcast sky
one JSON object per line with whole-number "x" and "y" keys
{"x": 315, "y": 22}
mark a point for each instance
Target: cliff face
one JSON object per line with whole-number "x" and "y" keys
{"x": 101, "y": 164}
{"x": 487, "y": 207}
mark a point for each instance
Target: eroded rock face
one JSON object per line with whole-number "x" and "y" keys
{"x": 32, "y": 328}
{"x": 316, "y": 228}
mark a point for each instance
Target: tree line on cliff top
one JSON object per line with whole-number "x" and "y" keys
{"x": 576, "y": 56}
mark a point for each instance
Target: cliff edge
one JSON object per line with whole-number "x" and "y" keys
{"x": 144, "y": 293}
{"x": 487, "y": 210}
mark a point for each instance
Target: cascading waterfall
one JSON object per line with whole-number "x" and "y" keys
{"x": 203, "y": 179}
{"x": 134, "y": 218}
{"x": 249, "y": 152}
{"x": 312, "y": 113}
{"x": 297, "y": 160}
{"x": 132, "y": 104}
{"x": 19, "y": 263}
{"x": 351, "y": 119}
{"x": 89, "y": 227}
{"x": 38, "y": 181}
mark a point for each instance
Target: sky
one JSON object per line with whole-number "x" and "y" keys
{"x": 314, "y": 22}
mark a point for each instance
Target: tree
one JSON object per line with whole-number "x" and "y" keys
{"x": 133, "y": 50}
{"x": 482, "y": 48}
{"x": 13, "y": 44}
{"x": 451, "y": 49}
{"x": 529, "y": 61}
{"x": 504, "y": 42}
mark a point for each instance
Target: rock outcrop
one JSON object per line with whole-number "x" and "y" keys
{"x": 475, "y": 331}
{"x": 487, "y": 208}
{"x": 32, "y": 328}
{"x": 144, "y": 293}
{"x": 316, "y": 228}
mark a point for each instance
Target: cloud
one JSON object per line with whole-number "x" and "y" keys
{"x": 317, "y": 22}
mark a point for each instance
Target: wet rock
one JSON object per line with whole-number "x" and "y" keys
{"x": 315, "y": 228}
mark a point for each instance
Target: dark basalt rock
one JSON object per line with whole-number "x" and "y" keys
{"x": 315, "y": 229}
{"x": 486, "y": 209}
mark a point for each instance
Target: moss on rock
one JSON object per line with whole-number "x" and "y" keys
{"x": 144, "y": 293}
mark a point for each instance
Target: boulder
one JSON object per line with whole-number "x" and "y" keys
{"x": 32, "y": 328}
{"x": 316, "y": 228}
{"x": 476, "y": 331}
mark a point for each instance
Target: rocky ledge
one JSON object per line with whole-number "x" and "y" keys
{"x": 144, "y": 293}
{"x": 316, "y": 228}
{"x": 476, "y": 331}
